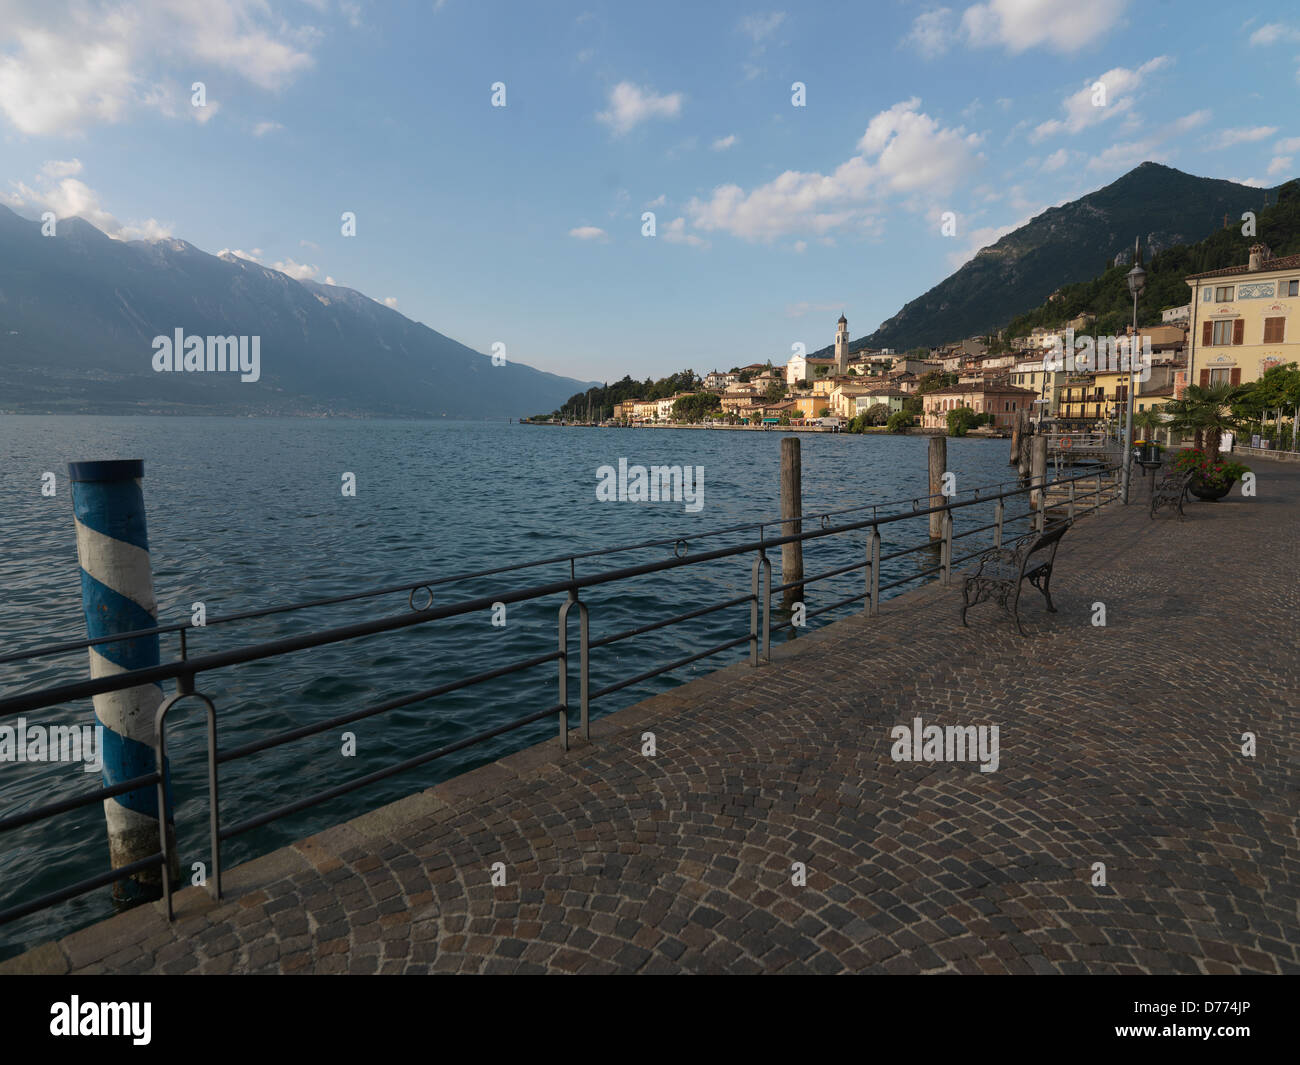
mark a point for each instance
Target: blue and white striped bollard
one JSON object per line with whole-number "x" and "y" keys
{"x": 117, "y": 596}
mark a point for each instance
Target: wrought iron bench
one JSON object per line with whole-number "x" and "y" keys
{"x": 1171, "y": 492}
{"x": 1002, "y": 571}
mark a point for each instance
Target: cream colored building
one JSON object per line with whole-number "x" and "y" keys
{"x": 1242, "y": 320}
{"x": 1045, "y": 384}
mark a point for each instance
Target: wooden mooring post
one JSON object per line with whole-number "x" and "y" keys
{"x": 938, "y": 467}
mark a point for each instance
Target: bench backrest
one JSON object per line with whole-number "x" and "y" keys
{"x": 1036, "y": 543}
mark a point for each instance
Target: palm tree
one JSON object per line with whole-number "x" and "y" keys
{"x": 1149, "y": 422}
{"x": 1207, "y": 412}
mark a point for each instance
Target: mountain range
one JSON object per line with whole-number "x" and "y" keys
{"x": 1064, "y": 245}
{"x": 79, "y": 312}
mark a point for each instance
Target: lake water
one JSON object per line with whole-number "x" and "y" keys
{"x": 249, "y": 513}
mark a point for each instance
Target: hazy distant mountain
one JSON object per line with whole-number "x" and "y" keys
{"x": 1063, "y": 245}
{"x": 79, "y": 312}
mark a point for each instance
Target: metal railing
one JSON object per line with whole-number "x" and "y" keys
{"x": 1074, "y": 495}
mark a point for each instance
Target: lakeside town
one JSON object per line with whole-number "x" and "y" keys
{"x": 1229, "y": 334}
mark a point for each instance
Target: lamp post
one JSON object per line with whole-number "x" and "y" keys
{"x": 1137, "y": 279}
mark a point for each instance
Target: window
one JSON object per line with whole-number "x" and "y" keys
{"x": 1292, "y": 287}
{"x": 1221, "y": 333}
{"x": 1223, "y": 294}
{"x": 1220, "y": 377}
{"x": 1273, "y": 330}
{"x": 1209, "y": 294}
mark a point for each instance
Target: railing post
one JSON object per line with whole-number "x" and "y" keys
{"x": 117, "y": 596}
{"x": 563, "y": 663}
{"x": 873, "y": 587}
{"x": 763, "y": 566}
{"x": 997, "y": 523}
{"x": 167, "y": 842}
{"x": 947, "y": 547}
{"x": 1070, "y": 511}
{"x": 791, "y": 507}
{"x": 1096, "y": 505}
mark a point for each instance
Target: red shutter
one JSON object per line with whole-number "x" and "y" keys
{"x": 1236, "y": 376}
{"x": 1205, "y": 378}
{"x": 1207, "y": 333}
{"x": 1239, "y": 330}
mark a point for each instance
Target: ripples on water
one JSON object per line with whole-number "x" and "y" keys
{"x": 248, "y": 513}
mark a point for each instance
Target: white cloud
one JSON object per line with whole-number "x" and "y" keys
{"x": 68, "y": 197}
{"x": 1127, "y": 154}
{"x": 934, "y": 32}
{"x": 309, "y": 244}
{"x": 800, "y": 246}
{"x": 982, "y": 238}
{"x": 1273, "y": 32}
{"x": 1016, "y": 25}
{"x": 390, "y": 301}
{"x": 61, "y": 168}
{"x": 903, "y": 152}
{"x": 263, "y": 128}
{"x": 1019, "y": 25}
{"x": 1290, "y": 144}
{"x": 298, "y": 271}
{"x": 723, "y": 143}
{"x": 254, "y": 256}
{"x": 1243, "y": 135}
{"x": 761, "y": 26}
{"x": 67, "y": 65}
{"x": 658, "y": 201}
{"x": 588, "y": 233}
{"x": 1121, "y": 87}
{"x": 1056, "y": 160}
{"x": 1188, "y": 122}
{"x": 1279, "y": 164}
{"x": 1254, "y": 183}
{"x": 675, "y": 233}
{"x": 630, "y": 105}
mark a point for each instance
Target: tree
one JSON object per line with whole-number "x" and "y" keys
{"x": 960, "y": 421}
{"x": 1208, "y": 413}
{"x": 696, "y": 407}
{"x": 1150, "y": 422}
{"x": 774, "y": 391}
{"x": 877, "y": 414}
{"x": 899, "y": 422}
{"x": 928, "y": 382}
{"x": 825, "y": 412}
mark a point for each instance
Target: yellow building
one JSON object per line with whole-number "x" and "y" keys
{"x": 1082, "y": 399}
{"x": 1241, "y": 319}
{"x": 810, "y": 406}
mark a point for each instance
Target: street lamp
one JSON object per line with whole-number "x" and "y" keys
{"x": 1137, "y": 280}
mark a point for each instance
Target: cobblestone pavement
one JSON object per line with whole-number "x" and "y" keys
{"x": 1119, "y": 745}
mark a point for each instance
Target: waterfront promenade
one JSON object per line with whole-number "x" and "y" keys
{"x": 1119, "y": 745}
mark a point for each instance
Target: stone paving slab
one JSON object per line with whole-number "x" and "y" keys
{"x": 1118, "y": 744}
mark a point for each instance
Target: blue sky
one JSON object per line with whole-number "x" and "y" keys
{"x": 523, "y": 224}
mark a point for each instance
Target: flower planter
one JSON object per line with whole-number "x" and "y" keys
{"x": 1210, "y": 493}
